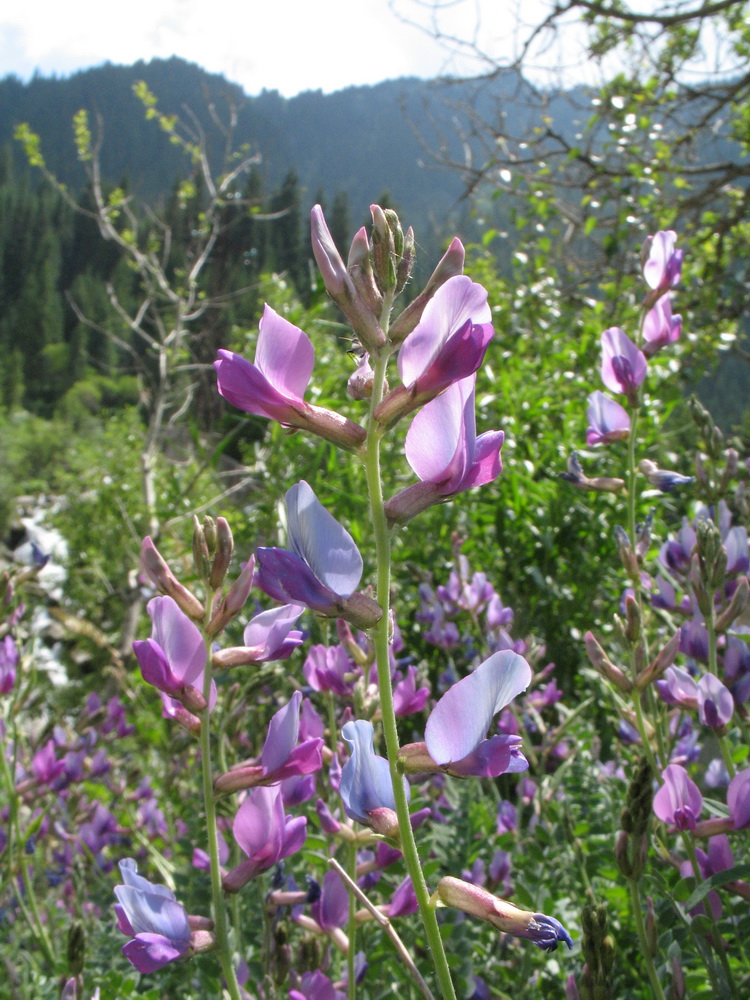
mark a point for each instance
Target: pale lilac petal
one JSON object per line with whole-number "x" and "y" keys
{"x": 715, "y": 702}
{"x": 678, "y": 801}
{"x": 268, "y": 630}
{"x": 295, "y": 834}
{"x": 179, "y": 637}
{"x": 608, "y": 420}
{"x": 500, "y": 754}
{"x": 440, "y": 442}
{"x": 154, "y": 666}
{"x": 681, "y": 687}
{"x": 623, "y": 365}
{"x": 150, "y": 952}
{"x": 284, "y": 354}
{"x": 458, "y": 300}
{"x": 259, "y": 825}
{"x": 738, "y": 799}
{"x": 151, "y": 909}
{"x": 243, "y": 385}
{"x": 737, "y": 550}
{"x": 285, "y": 576}
{"x": 332, "y": 908}
{"x": 460, "y": 720}
{"x": 366, "y": 777}
{"x": 663, "y": 267}
{"x": 487, "y": 464}
{"x": 283, "y": 731}
{"x": 324, "y": 544}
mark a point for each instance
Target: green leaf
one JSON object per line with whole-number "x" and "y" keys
{"x": 714, "y": 882}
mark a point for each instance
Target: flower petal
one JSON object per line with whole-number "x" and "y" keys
{"x": 366, "y": 777}
{"x": 325, "y": 545}
{"x": 458, "y": 300}
{"x": 284, "y": 354}
{"x": 460, "y": 720}
{"x": 179, "y": 638}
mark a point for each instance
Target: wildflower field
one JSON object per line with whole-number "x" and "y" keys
{"x": 340, "y": 758}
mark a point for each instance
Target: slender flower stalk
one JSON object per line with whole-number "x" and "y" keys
{"x": 381, "y": 641}
{"x": 209, "y": 804}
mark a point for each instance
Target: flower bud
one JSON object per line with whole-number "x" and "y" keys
{"x": 601, "y": 662}
{"x": 162, "y": 577}
{"x": 632, "y": 620}
{"x": 201, "y": 555}
{"x": 547, "y": 932}
{"x": 223, "y": 548}
{"x": 628, "y": 558}
{"x": 235, "y": 599}
{"x": 663, "y": 659}
{"x": 451, "y": 265}
{"x": 736, "y": 606}
{"x": 384, "y": 251}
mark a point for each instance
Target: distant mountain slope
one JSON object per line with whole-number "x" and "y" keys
{"x": 359, "y": 140}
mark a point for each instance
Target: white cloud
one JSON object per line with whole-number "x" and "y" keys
{"x": 288, "y": 45}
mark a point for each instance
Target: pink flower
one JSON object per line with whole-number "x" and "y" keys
{"x": 678, "y": 802}
{"x": 444, "y": 451}
{"x": 264, "y": 834}
{"x": 662, "y": 268}
{"x": 623, "y": 365}
{"x": 608, "y": 421}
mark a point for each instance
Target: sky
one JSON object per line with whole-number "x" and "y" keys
{"x": 284, "y": 45}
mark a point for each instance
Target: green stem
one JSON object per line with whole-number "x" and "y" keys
{"x": 209, "y": 804}
{"x": 635, "y": 896}
{"x": 390, "y": 730}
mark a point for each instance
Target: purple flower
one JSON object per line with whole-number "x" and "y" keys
{"x": 45, "y": 766}
{"x": 507, "y": 817}
{"x": 268, "y": 636}
{"x": 444, "y": 451}
{"x": 403, "y": 901}
{"x": 678, "y": 688}
{"x": 455, "y": 325}
{"x": 264, "y": 833}
{"x": 623, "y": 364}
{"x": 457, "y": 726}
{"x": 608, "y": 421}
{"x": 715, "y": 702}
{"x": 274, "y": 386}
{"x": 151, "y": 914}
{"x": 660, "y": 327}
{"x": 663, "y": 479}
{"x": 174, "y": 658}
{"x": 678, "y": 802}
{"x": 316, "y": 986}
{"x": 406, "y": 698}
{"x": 322, "y": 567}
{"x": 281, "y": 757}
{"x": 738, "y": 799}
{"x": 447, "y": 345}
{"x": 332, "y": 907}
{"x": 366, "y": 778}
{"x": 8, "y": 663}
{"x": 662, "y": 268}
{"x": 329, "y": 668}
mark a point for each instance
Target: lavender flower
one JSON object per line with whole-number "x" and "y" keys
{"x": 150, "y": 914}
{"x": 678, "y": 802}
